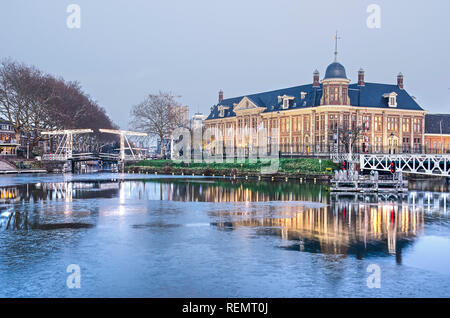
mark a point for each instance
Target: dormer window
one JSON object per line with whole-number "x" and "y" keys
{"x": 222, "y": 111}
{"x": 392, "y": 99}
{"x": 287, "y": 101}
{"x": 303, "y": 95}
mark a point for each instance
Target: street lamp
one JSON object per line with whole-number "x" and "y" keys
{"x": 279, "y": 132}
{"x": 392, "y": 143}
{"x": 350, "y": 147}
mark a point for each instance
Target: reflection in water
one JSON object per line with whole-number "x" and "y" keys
{"x": 220, "y": 190}
{"x": 161, "y": 236}
{"x": 348, "y": 223}
{"x": 343, "y": 228}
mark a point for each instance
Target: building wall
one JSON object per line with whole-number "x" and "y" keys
{"x": 311, "y": 130}
{"x": 433, "y": 143}
{"x": 8, "y": 146}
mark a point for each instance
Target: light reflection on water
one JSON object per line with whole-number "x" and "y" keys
{"x": 161, "y": 228}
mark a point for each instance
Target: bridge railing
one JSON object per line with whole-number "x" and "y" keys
{"x": 339, "y": 157}
{"x": 426, "y": 164}
{"x": 52, "y": 156}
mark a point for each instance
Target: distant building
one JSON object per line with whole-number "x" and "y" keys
{"x": 8, "y": 142}
{"x": 183, "y": 112}
{"x": 197, "y": 120}
{"x": 437, "y": 133}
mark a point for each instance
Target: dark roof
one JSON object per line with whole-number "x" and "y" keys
{"x": 370, "y": 95}
{"x": 335, "y": 70}
{"x": 432, "y": 123}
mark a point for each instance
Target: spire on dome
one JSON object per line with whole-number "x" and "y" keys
{"x": 336, "y": 38}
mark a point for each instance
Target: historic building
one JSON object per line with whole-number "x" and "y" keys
{"x": 325, "y": 116}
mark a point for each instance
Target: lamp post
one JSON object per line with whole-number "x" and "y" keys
{"x": 392, "y": 143}
{"x": 350, "y": 148}
{"x": 279, "y": 132}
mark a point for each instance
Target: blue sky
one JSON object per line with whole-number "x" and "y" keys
{"x": 127, "y": 49}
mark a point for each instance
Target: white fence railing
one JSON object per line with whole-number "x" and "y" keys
{"x": 437, "y": 165}
{"x": 53, "y": 156}
{"x": 339, "y": 157}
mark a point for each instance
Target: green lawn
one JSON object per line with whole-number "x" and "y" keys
{"x": 290, "y": 166}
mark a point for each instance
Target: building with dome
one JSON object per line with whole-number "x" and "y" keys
{"x": 325, "y": 116}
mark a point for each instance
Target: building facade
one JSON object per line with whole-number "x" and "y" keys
{"x": 197, "y": 121}
{"x": 437, "y": 133}
{"x": 324, "y": 116}
{"x": 8, "y": 142}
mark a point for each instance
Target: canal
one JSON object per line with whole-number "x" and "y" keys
{"x": 137, "y": 235}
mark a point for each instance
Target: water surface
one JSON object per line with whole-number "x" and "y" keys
{"x": 144, "y": 236}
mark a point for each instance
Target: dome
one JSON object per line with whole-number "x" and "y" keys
{"x": 335, "y": 70}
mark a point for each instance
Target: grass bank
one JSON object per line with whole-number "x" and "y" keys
{"x": 298, "y": 167}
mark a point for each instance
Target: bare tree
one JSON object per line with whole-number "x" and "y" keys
{"x": 349, "y": 137}
{"x": 158, "y": 115}
{"x": 33, "y": 101}
{"x": 15, "y": 87}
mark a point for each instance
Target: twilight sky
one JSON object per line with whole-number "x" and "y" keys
{"x": 127, "y": 49}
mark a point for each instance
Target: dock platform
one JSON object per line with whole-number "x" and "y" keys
{"x": 352, "y": 182}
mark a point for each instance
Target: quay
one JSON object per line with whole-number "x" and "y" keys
{"x": 23, "y": 171}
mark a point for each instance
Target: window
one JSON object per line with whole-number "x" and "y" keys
{"x": 333, "y": 122}
{"x": 406, "y": 123}
{"x": 344, "y": 96}
{"x": 378, "y": 123}
{"x": 346, "y": 123}
{"x": 366, "y": 122}
{"x": 392, "y": 99}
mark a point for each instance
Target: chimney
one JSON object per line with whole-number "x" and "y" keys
{"x": 361, "y": 77}
{"x": 400, "y": 80}
{"x": 220, "y": 96}
{"x": 316, "y": 79}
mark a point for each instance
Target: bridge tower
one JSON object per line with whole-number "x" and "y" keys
{"x": 123, "y": 138}
{"x": 65, "y": 146}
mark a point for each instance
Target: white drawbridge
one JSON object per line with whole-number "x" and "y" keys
{"x": 123, "y": 138}
{"x": 64, "y": 151}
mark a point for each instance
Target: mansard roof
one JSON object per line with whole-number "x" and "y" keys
{"x": 370, "y": 95}
{"x": 433, "y": 126}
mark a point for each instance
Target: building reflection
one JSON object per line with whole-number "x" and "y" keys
{"x": 58, "y": 191}
{"x": 360, "y": 225}
{"x": 202, "y": 190}
{"x": 343, "y": 228}
{"x": 9, "y": 194}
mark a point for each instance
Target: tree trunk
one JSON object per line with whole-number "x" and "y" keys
{"x": 161, "y": 151}
{"x": 17, "y": 133}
